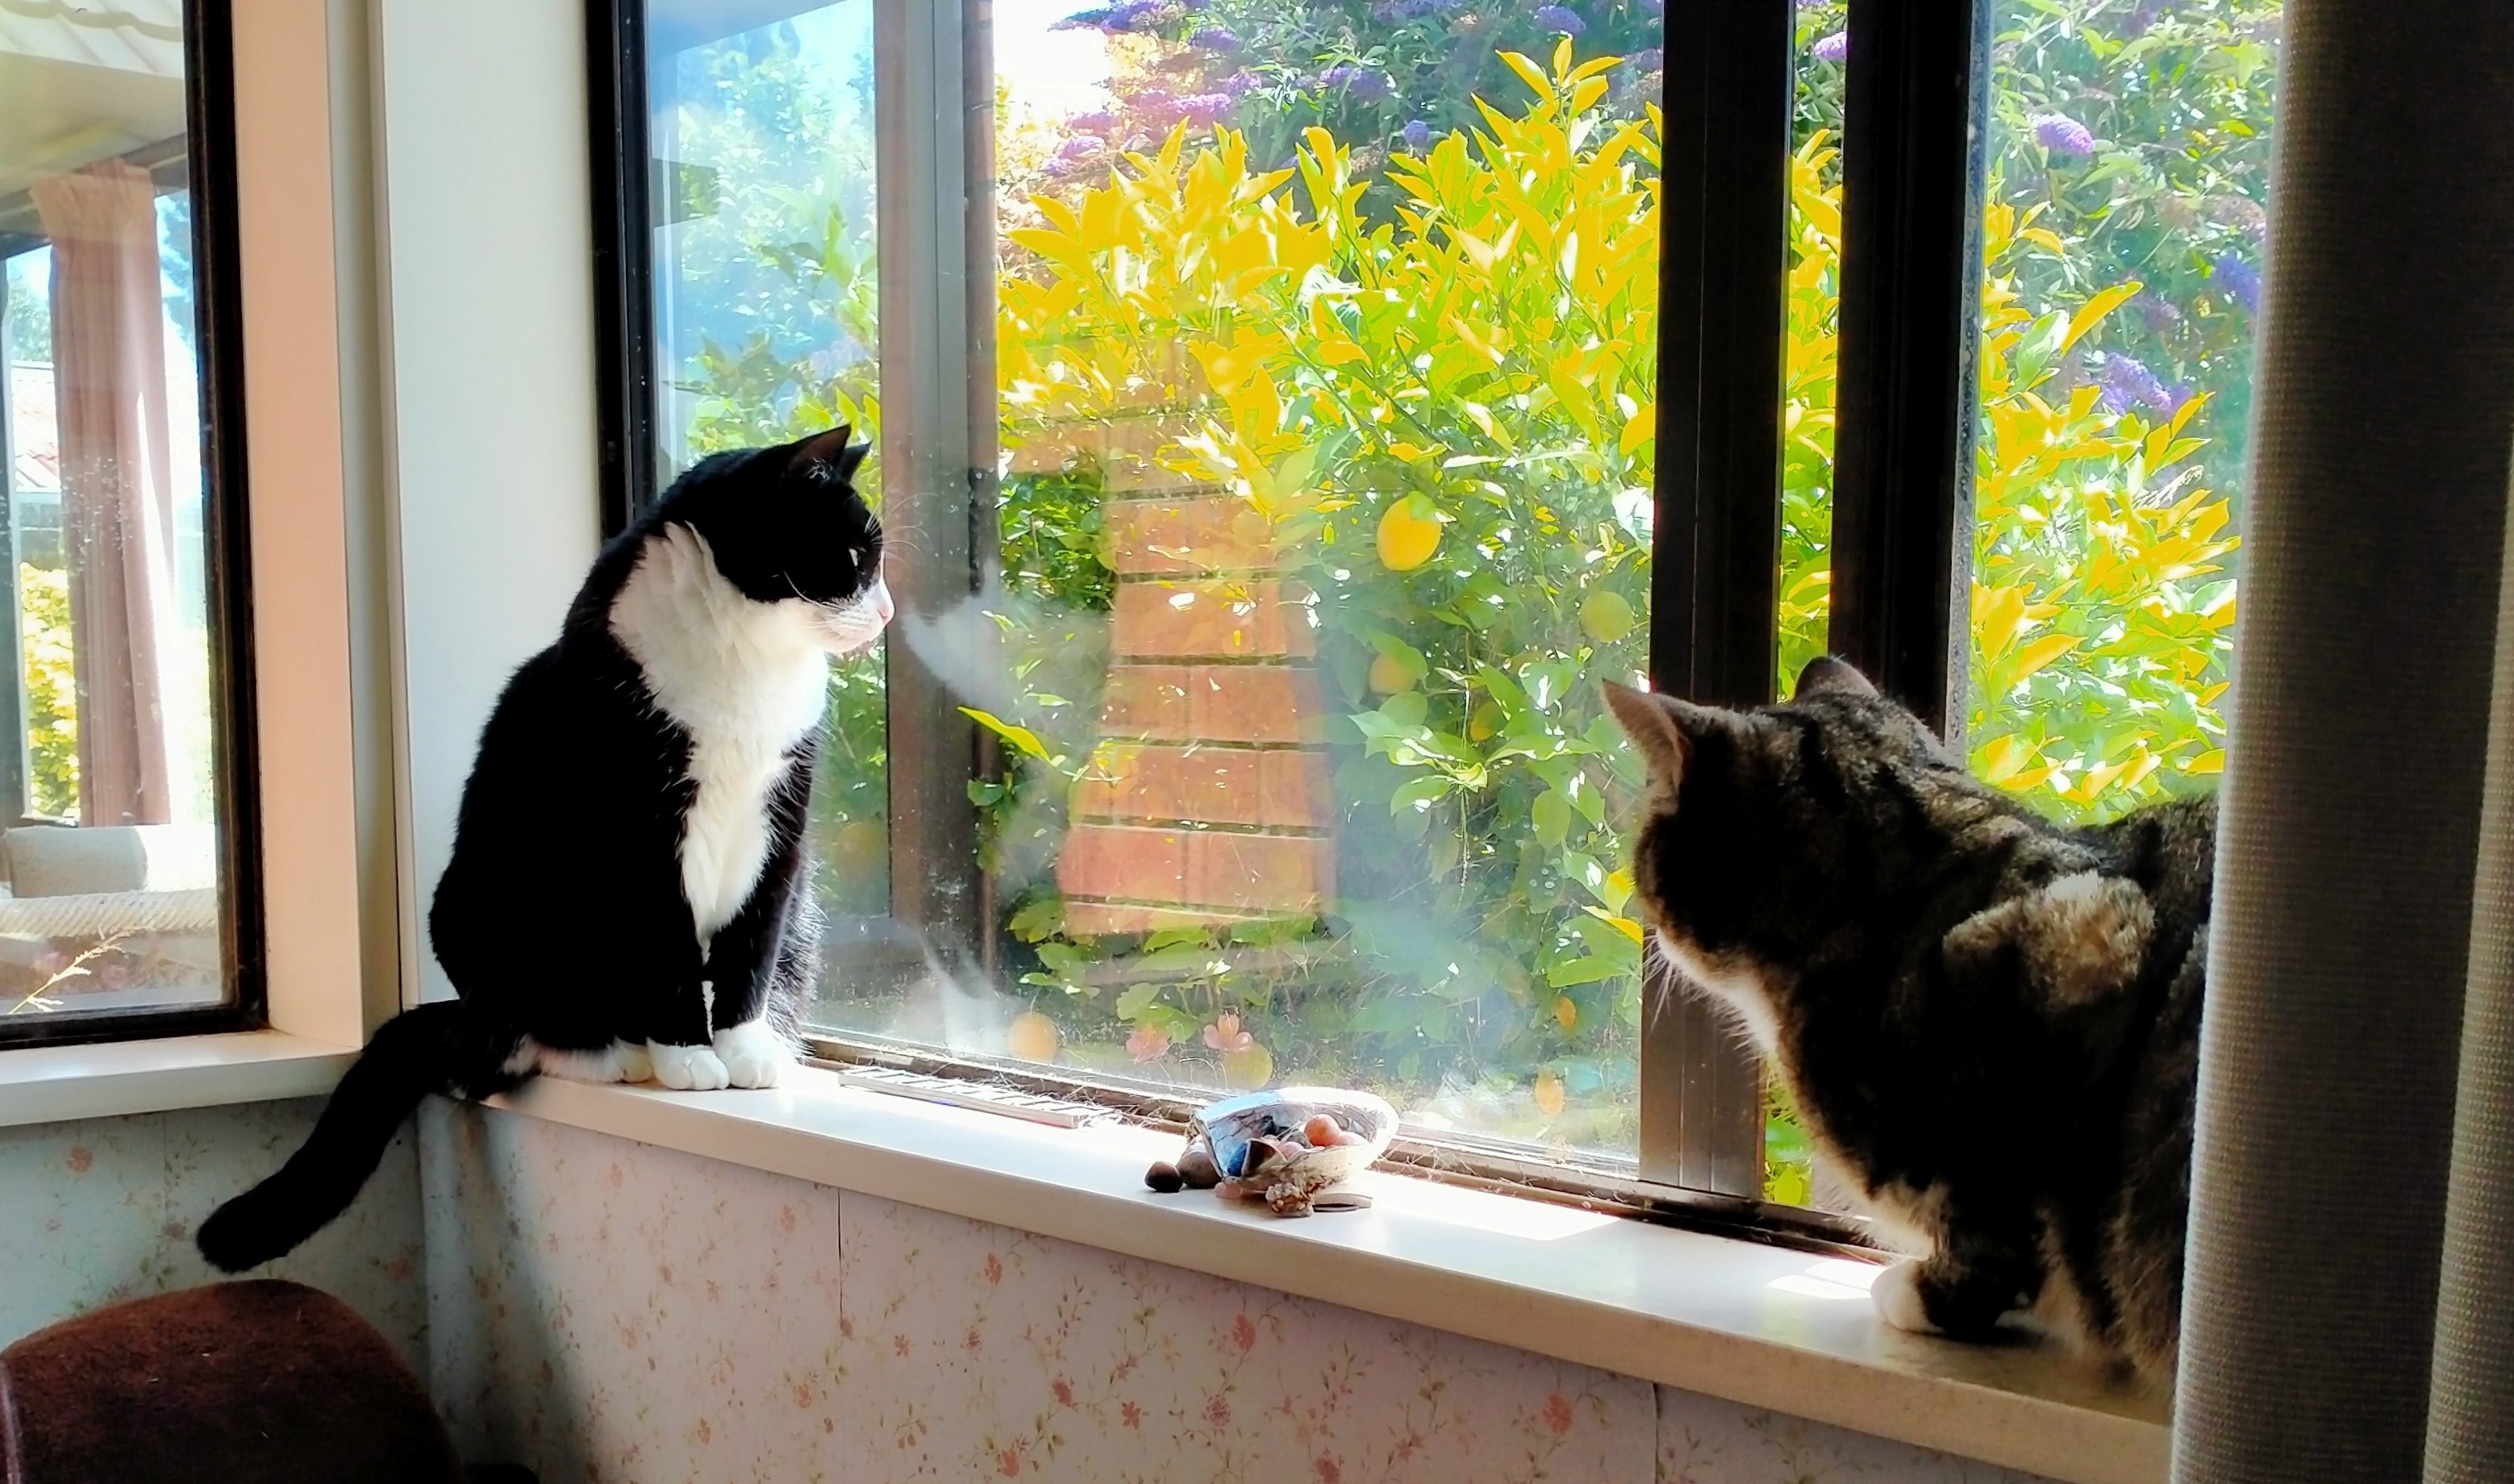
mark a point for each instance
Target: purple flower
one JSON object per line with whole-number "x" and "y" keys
{"x": 1417, "y": 136}
{"x": 2159, "y": 312}
{"x": 1203, "y": 108}
{"x": 2240, "y": 279}
{"x": 1132, "y": 14}
{"x": 1098, "y": 121}
{"x": 1367, "y": 83}
{"x": 1556, "y": 17}
{"x": 1216, "y": 38}
{"x": 1833, "y": 47}
{"x": 1647, "y": 60}
{"x": 1082, "y": 20}
{"x": 1075, "y": 152}
{"x": 2062, "y": 135}
{"x": 2127, "y": 384}
{"x": 1242, "y": 84}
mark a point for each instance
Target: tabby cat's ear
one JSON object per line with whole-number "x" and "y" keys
{"x": 1658, "y": 726}
{"x": 1826, "y": 673}
{"x": 832, "y": 453}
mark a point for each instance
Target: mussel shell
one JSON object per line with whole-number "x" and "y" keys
{"x": 1261, "y": 1132}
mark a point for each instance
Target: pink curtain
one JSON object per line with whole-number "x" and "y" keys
{"x": 117, "y": 490}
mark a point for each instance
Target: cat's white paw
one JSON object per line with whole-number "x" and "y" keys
{"x": 753, "y": 1055}
{"x": 635, "y": 1065}
{"x": 1898, "y": 1293}
{"x": 687, "y": 1068}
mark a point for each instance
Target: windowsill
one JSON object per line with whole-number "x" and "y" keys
{"x": 1756, "y": 1325}
{"x": 111, "y": 1079}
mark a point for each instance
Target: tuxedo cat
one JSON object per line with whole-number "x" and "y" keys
{"x": 628, "y": 895}
{"x": 1990, "y": 1022}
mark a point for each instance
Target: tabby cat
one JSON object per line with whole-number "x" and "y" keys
{"x": 1989, "y": 1021}
{"x": 628, "y": 896}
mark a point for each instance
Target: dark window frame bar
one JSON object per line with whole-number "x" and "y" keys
{"x": 1914, "y": 156}
{"x": 1714, "y": 599}
{"x": 209, "y": 58}
{"x": 1723, "y": 260}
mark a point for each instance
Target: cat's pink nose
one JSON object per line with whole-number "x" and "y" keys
{"x": 882, "y": 606}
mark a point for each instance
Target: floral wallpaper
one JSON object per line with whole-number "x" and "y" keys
{"x": 99, "y": 1211}
{"x": 606, "y": 1312}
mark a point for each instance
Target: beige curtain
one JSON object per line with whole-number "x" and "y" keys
{"x": 117, "y": 490}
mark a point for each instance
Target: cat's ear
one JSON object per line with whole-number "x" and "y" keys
{"x": 833, "y": 455}
{"x": 1657, "y": 725}
{"x": 1826, "y": 673}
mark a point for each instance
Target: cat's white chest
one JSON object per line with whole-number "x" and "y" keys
{"x": 748, "y": 682}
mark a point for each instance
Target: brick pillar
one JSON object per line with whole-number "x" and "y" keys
{"x": 1212, "y": 803}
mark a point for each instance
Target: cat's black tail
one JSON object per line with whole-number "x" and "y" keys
{"x": 413, "y": 1054}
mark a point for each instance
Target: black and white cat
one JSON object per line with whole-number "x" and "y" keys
{"x": 629, "y": 893}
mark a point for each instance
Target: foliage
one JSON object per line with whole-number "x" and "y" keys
{"x": 1385, "y": 77}
{"x": 52, "y": 691}
{"x": 2099, "y": 642}
{"x": 1482, "y": 365}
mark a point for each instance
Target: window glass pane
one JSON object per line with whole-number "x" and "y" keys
{"x": 760, "y": 122}
{"x": 2130, "y": 160}
{"x": 108, "y": 811}
{"x": 1326, "y": 418}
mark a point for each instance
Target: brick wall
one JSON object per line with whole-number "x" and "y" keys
{"x": 1210, "y": 802}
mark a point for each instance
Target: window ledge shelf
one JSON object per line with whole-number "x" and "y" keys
{"x": 56, "y": 1084}
{"x": 1756, "y": 1325}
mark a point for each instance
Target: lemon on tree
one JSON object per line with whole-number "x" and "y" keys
{"x": 1409, "y": 532}
{"x": 1604, "y": 617}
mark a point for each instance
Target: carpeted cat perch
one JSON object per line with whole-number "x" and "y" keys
{"x": 259, "y": 1382}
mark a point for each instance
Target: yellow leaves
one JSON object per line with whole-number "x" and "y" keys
{"x": 2001, "y": 616}
{"x": 2035, "y": 653}
{"x": 2092, "y": 313}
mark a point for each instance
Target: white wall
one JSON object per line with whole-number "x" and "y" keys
{"x": 487, "y": 270}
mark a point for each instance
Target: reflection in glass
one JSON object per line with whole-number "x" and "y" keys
{"x": 108, "y": 814}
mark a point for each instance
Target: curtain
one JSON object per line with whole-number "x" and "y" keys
{"x": 117, "y": 489}
{"x": 2351, "y": 833}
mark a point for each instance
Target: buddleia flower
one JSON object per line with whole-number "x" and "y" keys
{"x": 2062, "y": 135}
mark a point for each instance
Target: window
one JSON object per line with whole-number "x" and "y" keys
{"x": 119, "y": 780}
{"x": 1287, "y": 413}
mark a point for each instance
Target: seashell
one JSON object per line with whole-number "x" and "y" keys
{"x": 1261, "y": 1144}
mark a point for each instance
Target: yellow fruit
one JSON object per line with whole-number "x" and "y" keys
{"x": 1566, "y": 1014}
{"x": 1388, "y": 677}
{"x": 1405, "y": 541}
{"x": 1487, "y": 720}
{"x": 1549, "y": 1093}
{"x": 1606, "y": 616}
{"x": 1033, "y": 1037}
{"x": 1248, "y": 1069}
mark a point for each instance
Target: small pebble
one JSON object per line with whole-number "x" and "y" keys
{"x": 1195, "y": 1167}
{"x": 1165, "y": 1176}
